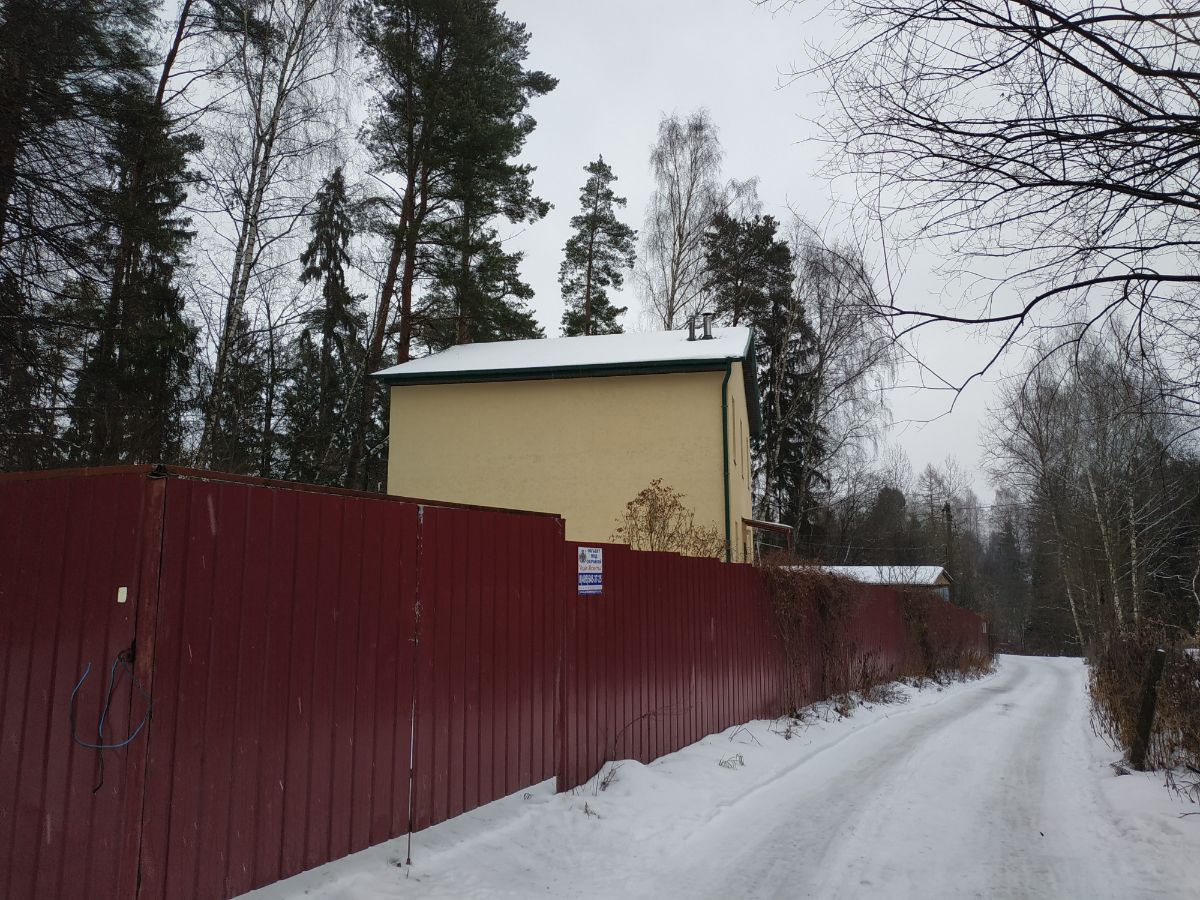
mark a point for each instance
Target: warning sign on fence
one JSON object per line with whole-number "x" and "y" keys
{"x": 591, "y": 570}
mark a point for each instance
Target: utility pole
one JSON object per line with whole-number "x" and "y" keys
{"x": 949, "y": 516}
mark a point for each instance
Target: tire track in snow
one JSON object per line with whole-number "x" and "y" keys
{"x": 978, "y": 796}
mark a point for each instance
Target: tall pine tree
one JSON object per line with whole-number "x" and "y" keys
{"x": 452, "y": 115}
{"x": 476, "y": 292}
{"x": 595, "y": 257}
{"x": 319, "y": 400}
{"x": 66, "y": 71}
{"x": 745, "y": 263}
{"x": 750, "y": 281}
{"x": 129, "y": 398}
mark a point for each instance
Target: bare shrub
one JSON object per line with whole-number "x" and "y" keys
{"x": 884, "y": 692}
{"x": 1117, "y": 681}
{"x": 658, "y": 519}
{"x": 813, "y": 609}
{"x": 943, "y": 659}
{"x": 610, "y": 776}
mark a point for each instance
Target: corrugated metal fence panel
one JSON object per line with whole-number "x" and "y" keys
{"x": 66, "y": 546}
{"x": 672, "y": 650}
{"x": 879, "y": 634}
{"x": 954, "y": 628}
{"x": 283, "y": 678}
{"x": 491, "y": 596}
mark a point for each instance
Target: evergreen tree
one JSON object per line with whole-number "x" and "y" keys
{"x": 318, "y": 399}
{"x": 786, "y": 463}
{"x": 474, "y": 281}
{"x": 595, "y": 257}
{"x": 1004, "y": 568}
{"x": 749, "y": 273}
{"x": 129, "y": 398}
{"x": 477, "y": 294}
{"x": 63, "y": 68}
{"x": 452, "y": 115}
{"x": 240, "y": 413}
{"x": 29, "y": 370}
{"x": 66, "y": 69}
{"x": 744, "y": 262}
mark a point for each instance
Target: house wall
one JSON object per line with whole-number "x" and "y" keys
{"x": 578, "y": 447}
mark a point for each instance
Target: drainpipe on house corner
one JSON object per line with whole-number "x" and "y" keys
{"x": 725, "y": 453}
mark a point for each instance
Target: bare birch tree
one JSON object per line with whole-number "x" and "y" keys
{"x": 853, "y": 356}
{"x": 686, "y": 162}
{"x": 263, "y": 141}
{"x": 1050, "y": 145}
{"x": 1074, "y": 438}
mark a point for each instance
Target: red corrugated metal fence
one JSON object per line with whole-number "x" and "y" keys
{"x": 283, "y": 653}
{"x": 330, "y": 669}
{"x": 65, "y": 547}
{"x": 673, "y": 649}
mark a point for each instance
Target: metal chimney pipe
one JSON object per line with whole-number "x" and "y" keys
{"x": 691, "y": 328}
{"x": 708, "y": 336}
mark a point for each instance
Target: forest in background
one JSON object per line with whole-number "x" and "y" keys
{"x": 196, "y": 268}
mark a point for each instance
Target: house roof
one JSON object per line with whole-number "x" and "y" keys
{"x": 915, "y": 575}
{"x": 589, "y": 356}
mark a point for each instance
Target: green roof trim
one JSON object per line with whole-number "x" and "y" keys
{"x": 597, "y": 370}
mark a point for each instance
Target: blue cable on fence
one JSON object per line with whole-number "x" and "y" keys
{"x": 122, "y": 660}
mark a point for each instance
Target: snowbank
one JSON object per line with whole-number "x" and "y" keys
{"x": 775, "y": 803}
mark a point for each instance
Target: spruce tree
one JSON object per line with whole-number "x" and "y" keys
{"x": 476, "y": 294}
{"x": 595, "y": 257}
{"x": 240, "y": 412}
{"x": 130, "y": 395}
{"x": 750, "y": 282}
{"x": 321, "y": 370}
{"x": 787, "y": 449}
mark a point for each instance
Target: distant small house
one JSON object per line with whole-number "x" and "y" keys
{"x": 580, "y": 425}
{"x": 932, "y": 577}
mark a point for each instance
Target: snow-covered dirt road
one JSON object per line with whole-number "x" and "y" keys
{"x": 995, "y": 788}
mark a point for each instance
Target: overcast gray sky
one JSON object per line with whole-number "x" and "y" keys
{"x": 622, "y": 64}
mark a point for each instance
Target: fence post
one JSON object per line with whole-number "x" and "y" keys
{"x": 1141, "y": 740}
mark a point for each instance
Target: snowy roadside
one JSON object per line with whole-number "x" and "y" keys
{"x": 597, "y": 842}
{"x": 548, "y": 835}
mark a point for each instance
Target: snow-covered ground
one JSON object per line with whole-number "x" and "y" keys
{"x": 995, "y": 788}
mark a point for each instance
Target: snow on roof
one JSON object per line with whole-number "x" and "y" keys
{"x": 659, "y": 349}
{"x": 927, "y": 575}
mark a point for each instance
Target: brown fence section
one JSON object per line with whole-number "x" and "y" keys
{"x": 209, "y": 683}
{"x": 881, "y": 642}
